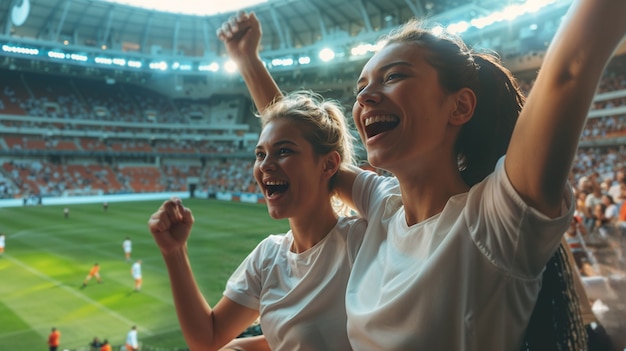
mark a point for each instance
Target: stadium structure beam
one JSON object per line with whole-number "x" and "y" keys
{"x": 320, "y": 16}
{"x": 8, "y": 24}
{"x": 126, "y": 20}
{"x": 205, "y": 36}
{"x": 296, "y": 36}
{"x": 323, "y": 32}
{"x": 75, "y": 30}
{"x": 47, "y": 23}
{"x": 329, "y": 17}
{"x": 107, "y": 30}
{"x": 146, "y": 34}
{"x": 378, "y": 14}
{"x": 68, "y": 3}
{"x": 175, "y": 37}
{"x": 366, "y": 17}
{"x": 416, "y": 9}
{"x": 279, "y": 29}
{"x": 463, "y": 11}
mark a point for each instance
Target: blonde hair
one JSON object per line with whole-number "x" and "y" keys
{"x": 324, "y": 127}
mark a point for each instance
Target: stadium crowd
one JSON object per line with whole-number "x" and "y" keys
{"x": 121, "y": 164}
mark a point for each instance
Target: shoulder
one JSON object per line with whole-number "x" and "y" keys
{"x": 274, "y": 243}
{"x": 373, "y": 179}
{"x": 370, "y": 188}
{"x": 351, "y": 225}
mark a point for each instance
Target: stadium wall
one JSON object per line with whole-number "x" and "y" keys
{"x": 70, "y": 200}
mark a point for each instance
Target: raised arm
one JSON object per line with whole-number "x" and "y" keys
{"x": 204, "y": 328}
{"x": 242, "y": 36}
{"x": 546, "y": 136}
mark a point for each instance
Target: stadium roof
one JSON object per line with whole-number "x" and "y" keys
{"x": 191, "y": 7}
{"x": 287, "y": 24}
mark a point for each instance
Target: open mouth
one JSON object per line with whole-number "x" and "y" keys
{"x": 275, "y": 187}
{"x": 379, "y": 124}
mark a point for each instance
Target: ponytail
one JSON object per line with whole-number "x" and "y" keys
{"x": 485, "y": 138}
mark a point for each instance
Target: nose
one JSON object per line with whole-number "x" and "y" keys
{"x": 368, "y": 95}
{"x": 267, "y": 164}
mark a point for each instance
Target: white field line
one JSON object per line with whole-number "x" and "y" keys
{"x": 127, "y": 282}
{"x": 75, "y": 293}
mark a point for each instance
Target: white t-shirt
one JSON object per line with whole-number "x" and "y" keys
{"x": 131, "y": 338}
{"x": 136, "y": 270}
{"x": 127, "y": 244}
{"x": 611, "y": 212}
{"x": 300, "y": 297}
{"x": 2, "y": 241}
{"x": 464, "y": 279}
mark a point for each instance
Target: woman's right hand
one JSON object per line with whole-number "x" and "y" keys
{"x": 241, "y": 35}
{"x": 170, "y": 225}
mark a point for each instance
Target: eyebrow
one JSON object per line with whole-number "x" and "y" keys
{"x": 278, "y": 144}
{"x": 387, "y": 67}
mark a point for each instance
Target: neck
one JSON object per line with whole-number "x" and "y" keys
{"x": 425, "y": 195}
{"x": 312, "y": 228}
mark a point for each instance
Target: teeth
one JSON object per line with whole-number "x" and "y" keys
{"x": 275, "y": 182}
{"x": 382, "y": 118}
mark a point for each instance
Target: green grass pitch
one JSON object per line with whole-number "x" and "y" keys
{"x": 47, "y": 257}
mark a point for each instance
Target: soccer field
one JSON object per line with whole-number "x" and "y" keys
{"x": 47, "y": 257}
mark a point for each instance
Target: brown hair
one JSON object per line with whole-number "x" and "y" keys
{"x": 485, "y": 138}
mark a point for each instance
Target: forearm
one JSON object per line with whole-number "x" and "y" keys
{"x": 575, "y": 60}
{"x": 194, "y": 313}
{"x": 591, "y": 31}
{"x": 344, "y": 182}
{"x": 546, "y": 136}
{"x": 263, "y": 89}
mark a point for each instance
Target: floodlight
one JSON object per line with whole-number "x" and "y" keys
{"x": 327, "y": 54}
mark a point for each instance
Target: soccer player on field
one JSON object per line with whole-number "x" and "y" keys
{"x": 93, "y": 272}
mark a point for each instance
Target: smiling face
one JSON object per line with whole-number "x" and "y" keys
{"x": 402, "y": 112}
{"x": 291, "y": 176}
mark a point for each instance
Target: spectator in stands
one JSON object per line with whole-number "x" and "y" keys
{"x": 575, "y": 237}
{"x": 293, "y": 282}
{"x": 611, "y": 212}
{"x": 621, "y": 218}
{"x": 447, "y": 264}
{"x": 602, "y": 225}
{"x": 615, "y": 190}
{"x": 595, "y": 195}
{"x": 582, "y": 210}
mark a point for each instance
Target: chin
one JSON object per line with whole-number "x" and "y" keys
{"x": 384, "y": 160}
{"x": 375, "y": 161}
{"x": 276, "y": 214}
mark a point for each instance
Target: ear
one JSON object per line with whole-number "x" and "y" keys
{"x": 331, "y": 164}
{"x": 465, "y": 101}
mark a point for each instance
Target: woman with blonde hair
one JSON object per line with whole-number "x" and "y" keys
{"x": 290, "y": 281}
